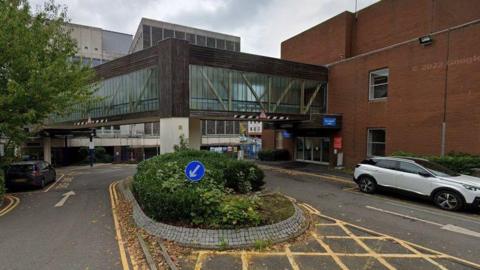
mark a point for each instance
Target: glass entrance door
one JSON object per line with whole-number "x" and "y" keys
{"x": 314, "y": 149}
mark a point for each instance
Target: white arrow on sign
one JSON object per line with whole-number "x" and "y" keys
{"x": 65, "y": 198}
{"x": 194, "y": 172}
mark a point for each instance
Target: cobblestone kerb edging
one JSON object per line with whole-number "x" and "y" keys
{"x": 219, "y": 239}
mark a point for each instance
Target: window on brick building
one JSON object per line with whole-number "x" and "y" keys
{"x": 378, "y": 86}
{"x": 376, "y": 142}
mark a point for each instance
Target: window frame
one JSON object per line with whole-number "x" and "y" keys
{"x": 371, "y": 87}
{"x": 369, "y": 142}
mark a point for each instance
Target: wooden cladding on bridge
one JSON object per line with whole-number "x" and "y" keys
{"x": 254, "y": 63}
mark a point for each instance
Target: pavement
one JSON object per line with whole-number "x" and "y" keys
{"x": 55, "y": 229}
{"x": 41, "y": 232}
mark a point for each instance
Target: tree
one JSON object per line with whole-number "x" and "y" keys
{"x": 38, "y": 77}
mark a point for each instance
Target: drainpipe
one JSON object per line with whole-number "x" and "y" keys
{"x": 444, "y": 123}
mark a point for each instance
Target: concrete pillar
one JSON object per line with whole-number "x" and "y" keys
{"x": 170, "y": 131}
{"x": 195, "y": 136}
{"x": 47, "y": 149}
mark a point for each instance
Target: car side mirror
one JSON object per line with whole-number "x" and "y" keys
{"x": 425, "y": 174}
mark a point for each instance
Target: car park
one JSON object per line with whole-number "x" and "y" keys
{"x": 446, "y": 188}
{"x": 29, "y": 173}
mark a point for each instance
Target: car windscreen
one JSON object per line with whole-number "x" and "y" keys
{"x": 21, "y": 168}
{"x": 436, "y": 169}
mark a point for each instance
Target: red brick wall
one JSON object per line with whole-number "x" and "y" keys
{"x": 385, "y": 23}
{"x": 268, "y": 139}
{"x": 322, "y": 44}
{"x": 463, "y": 95}
{"x": 413, "y": 112}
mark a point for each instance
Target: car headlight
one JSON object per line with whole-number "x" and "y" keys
{"x": 472, "y": 188}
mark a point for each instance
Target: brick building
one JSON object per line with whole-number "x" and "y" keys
{"x": 396, "y": 92}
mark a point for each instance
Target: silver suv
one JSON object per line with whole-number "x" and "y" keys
{"x": 448, "y": 190}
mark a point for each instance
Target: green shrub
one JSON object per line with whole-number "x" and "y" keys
{"x": 165, "y": 194}
{"x": 274, "y": 155}
{"x": 456, "y": 161}
{"x": 239, "y": 210}
{"x": 243, "y": 176}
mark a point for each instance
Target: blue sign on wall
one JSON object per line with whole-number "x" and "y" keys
{"x": 286, "y": 134}
{"x": 195, "y": 171}
{"x": 329, "y": 121}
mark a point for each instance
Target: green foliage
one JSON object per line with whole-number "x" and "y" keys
{"x": 165, "y": 194}
{"x": 223, "y": 244}
{"x": 261, "y": 245}
{"x": 239, "y": 210}
{"x": 243, "y": 176}
{"x": 460, "y": 162}
{"x": 37, "y": 77}
{"x": 183, "y": 145}
{"x": 274, "y": 155}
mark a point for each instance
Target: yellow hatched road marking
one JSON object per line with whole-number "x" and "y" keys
{"x": 200, "y": 258}
{"x": 403, "y": 244}
{"x": 367, "y": 248}
{"x": 245, "y": 259}
{"x": 290, "y": 258}
{"x": 330, "y": 252}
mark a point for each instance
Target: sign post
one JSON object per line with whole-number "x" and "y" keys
{"x": 195, "y": 171}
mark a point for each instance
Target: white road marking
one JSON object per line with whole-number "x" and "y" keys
{"x": 65, "y": 198}
{"x": 54, "y": 183}
{"x": 447, "y": 227}
{"x": 436, "y": 212}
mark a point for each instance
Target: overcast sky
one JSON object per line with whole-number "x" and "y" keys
{"x": 261, "y": 24}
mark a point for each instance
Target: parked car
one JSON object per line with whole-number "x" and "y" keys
{"x": 447, "y": 189}
{"x": 29, "y": 173}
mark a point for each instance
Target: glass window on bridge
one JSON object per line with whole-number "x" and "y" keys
{"x": 220, "y": 89}
{"x": 134, "y": 92}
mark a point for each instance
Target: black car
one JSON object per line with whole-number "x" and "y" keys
{"x": 29, "y": 173}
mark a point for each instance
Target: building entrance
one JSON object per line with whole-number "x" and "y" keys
{"x": 313, "y": 149}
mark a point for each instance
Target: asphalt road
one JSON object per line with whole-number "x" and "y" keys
{"x": 78, "y": 235}
{"x": 403, "y": 217}
{"x": 81, "y": 235}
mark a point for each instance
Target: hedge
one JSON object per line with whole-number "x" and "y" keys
{"x": 274, "y": 155}
{"x": 460, "y": 162}
{"x": 165, "y": 194}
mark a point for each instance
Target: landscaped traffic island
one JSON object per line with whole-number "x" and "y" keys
{"x": 226, "y": 208}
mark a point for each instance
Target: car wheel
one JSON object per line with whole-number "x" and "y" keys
{"x": 367, "y": 184}
{"x": 448, "y": 200}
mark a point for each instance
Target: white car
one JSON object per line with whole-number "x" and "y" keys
{"x": 448, "y": 190}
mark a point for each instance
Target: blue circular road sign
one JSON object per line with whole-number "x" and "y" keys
{"x": 195, "y": 171}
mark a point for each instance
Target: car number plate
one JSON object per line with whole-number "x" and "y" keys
{"x": 21, "y": 180}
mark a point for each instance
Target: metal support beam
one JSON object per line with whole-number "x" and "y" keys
{"x": 212, "y": 88}
{"x": 269, "y": 94}
{"x": 312, "y": 98}
{"x": 142, "y": 93}
{"x": 284, "y": 93}
{"x": 249, "y": 85}
{"x": 230, "y": 90}
{"x": 302, "y": 97}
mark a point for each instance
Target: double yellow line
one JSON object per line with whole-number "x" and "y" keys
{"x": 12, "y": 203}
{"x": 118, "y": 230}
